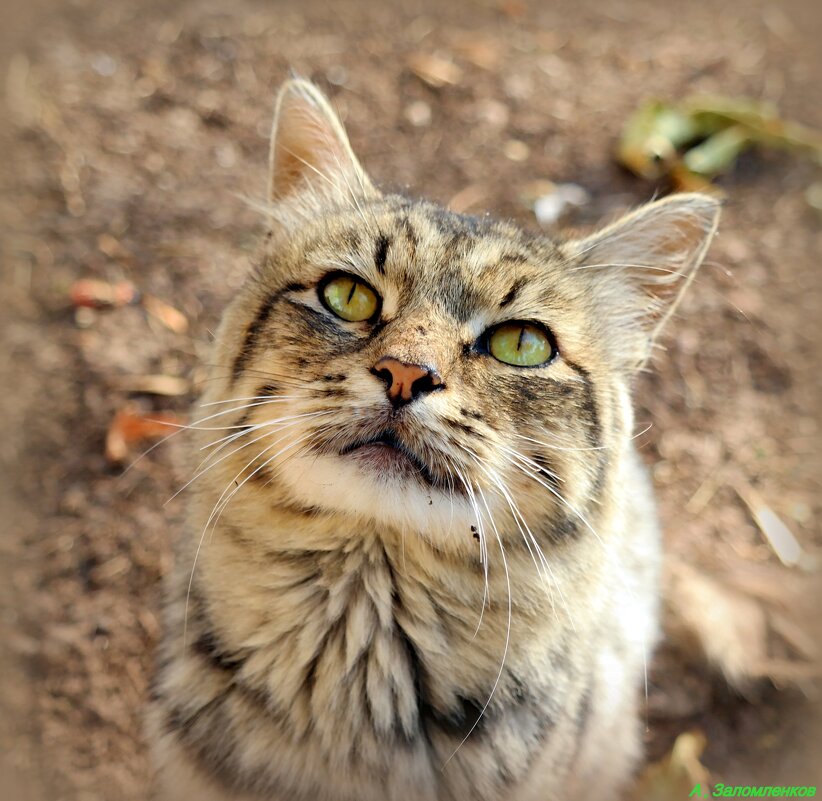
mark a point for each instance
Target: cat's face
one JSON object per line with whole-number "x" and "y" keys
{"x": 433, "y": 371}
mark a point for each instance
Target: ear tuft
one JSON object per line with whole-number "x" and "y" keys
{"x": 311, "y": 163}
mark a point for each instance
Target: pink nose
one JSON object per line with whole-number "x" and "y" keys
{"x": 405, "y": 382}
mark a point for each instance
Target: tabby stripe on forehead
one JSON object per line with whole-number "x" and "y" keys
{"x": 457, "y": 245}
{"x": 512, "y": 292}
{"x": 381, "y": 252}
{"x": 252, "y": 333}
{"x": 411, "y": 236}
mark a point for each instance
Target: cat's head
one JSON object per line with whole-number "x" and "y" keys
{"x": 435, "y": 372}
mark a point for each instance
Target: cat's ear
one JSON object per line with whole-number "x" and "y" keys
{"x": 311, "y": 164}
{"x": 643, "y": 263}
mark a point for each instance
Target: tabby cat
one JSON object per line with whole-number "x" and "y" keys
{"x": 421, "y": 558}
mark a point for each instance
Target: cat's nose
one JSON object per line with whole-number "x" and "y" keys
{"x": 404, "y": 381}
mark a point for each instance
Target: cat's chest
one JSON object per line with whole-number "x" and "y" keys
{"x": 323, "y": 634}
{"x": 350, "y": 658}
{"x": 304, "y": 666}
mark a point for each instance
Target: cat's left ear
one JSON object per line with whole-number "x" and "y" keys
{"x": 311, "y": 164}
{"x": 642, "y": 264}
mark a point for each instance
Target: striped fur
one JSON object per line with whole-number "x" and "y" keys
{"x": 476, "y": 627}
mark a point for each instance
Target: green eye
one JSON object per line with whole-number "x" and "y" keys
{"x": 350, "y": 299}
{"x": 520, "y": 344}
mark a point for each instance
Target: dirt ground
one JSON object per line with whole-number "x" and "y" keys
{"x": 135, "y": 130}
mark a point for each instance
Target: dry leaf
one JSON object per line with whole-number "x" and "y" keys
{"x": 675, "y": 776}
{"x": 91, "y": 293}
{"x": 171, "y": 318}
{"x": 483, "y": 51}
{"x": 130, "y": 427}
{"x": 700, "y": 137}
{"x": 434, "y": 70}
{"x": 112, "y": 248}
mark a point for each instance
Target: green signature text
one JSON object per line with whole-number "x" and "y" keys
{"x": 751, "y": 791}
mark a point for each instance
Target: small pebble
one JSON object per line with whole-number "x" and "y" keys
{"x": 549, "y": 208}
{"x": 516, "y": 150}
{"x": 418, "y": 113}
{"x": 103, "y": 64}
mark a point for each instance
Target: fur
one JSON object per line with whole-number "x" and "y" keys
{"x": 477, "y": 628}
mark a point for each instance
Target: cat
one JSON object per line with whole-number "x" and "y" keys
{"x": 421, "y": 559}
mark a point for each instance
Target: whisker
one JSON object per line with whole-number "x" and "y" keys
{"x": 560, "y": 447}
{"x": 486, "y": 597}
{"x": 252, "y": 427}
{"x": 614, "y": 564}
{"x": 216, "y": 514}
{"x": 194, "y": 426}
{"x": 507, "y": 631}
{"x": 272, "y": 398}
{"x": 267, "y": 424}
{"x": 528, "y": 538}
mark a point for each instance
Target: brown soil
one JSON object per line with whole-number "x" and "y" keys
{"x": 135, "y": 127}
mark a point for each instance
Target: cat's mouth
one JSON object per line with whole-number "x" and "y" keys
{"x": 388, "y": 456}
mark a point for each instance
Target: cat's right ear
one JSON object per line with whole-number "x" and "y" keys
{"x": 311, "y": 164}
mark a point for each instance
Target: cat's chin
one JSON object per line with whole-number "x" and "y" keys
{"x": 378, "y": 482}
{"x": 385, "y": 462}
{"x": 388, "y": 457}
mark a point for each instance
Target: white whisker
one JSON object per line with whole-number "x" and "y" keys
{"x": 507, "y": 631}
{"x": 266, "y": 425}
{"x": 220, "y": 506}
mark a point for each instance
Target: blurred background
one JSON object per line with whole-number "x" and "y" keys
{"x": 131, "y": 133}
